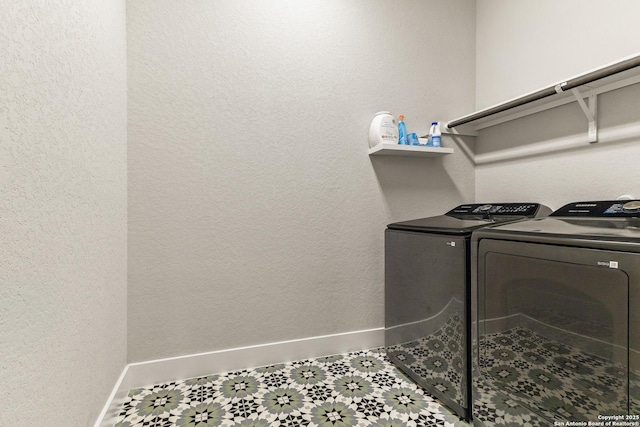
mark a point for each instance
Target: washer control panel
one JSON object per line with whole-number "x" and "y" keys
{"x": 601, "y": 209}
{"x": 507, "y": 209}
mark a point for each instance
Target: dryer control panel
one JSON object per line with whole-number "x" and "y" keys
{"x": 601, "y": 209}
{"x": 508, "y": 209}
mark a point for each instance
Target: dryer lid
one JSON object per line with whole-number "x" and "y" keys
{"x": 600, "y": 209}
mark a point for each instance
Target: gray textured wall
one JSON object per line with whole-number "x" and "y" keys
{"x": 63, "y": 230}
{"x": 522, "y": 46}
{"x": 255, "y": 212}
{"x": 513, "y": 57}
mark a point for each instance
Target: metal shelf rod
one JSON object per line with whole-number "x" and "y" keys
{"x": 550, "y": 91}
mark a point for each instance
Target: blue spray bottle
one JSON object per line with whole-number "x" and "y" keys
{"x": 402, "y": 131}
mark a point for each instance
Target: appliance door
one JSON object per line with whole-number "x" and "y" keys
{"x": 553, "y": 328}
{"x": 426, "y": 312}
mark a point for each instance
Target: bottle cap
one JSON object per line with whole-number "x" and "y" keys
{"x": 434, "y": 123}
{"x": 401, "y": 116}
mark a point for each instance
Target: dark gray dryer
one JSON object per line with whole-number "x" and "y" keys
{"x": 555, "y": 314}
{"x": 427, "y": 282}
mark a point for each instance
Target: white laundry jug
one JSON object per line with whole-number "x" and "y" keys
{"x": 383, "y": 129}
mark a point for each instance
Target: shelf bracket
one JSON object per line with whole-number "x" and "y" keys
{"x": 590, "y": 111}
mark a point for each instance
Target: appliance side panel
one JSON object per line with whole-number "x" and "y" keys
{"x": 563, "y": 315}
{"x": 426, "y": 311}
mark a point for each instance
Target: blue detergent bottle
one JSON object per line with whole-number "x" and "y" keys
{"x": 402, "y": 131}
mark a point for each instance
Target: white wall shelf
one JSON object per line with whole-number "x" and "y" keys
{"x": 584, "y": 86}
{"x": 408, "y": 150}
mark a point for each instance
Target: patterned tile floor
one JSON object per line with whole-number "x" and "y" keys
{"x": 562, "y": 382}
{"x": 438, "y": 356}
{"x": 531, "y": 371}
{"x": 355, "y": 389}
{"x": 365, "y": 389}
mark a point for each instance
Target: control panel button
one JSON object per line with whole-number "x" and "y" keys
{"x": 502, "y": 209}
{"x": 515, "y": 209}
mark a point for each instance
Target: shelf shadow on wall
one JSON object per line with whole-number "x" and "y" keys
{"x": 424, "y": 186}
{"x": 562, "y": 130}
{"x": 548, "y": 148}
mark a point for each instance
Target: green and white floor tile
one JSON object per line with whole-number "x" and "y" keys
{"x": 365, "y": 389}
{"x": 560, "y": 381}
{"x": 356, "y": 389}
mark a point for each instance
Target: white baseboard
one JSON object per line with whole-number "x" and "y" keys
{"x": 159, "y": 371}
{"x": 107, "y": 417}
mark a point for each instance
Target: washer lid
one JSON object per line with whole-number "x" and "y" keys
{"x": 446, "y": 224}
{"x": 464, "y": 219}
